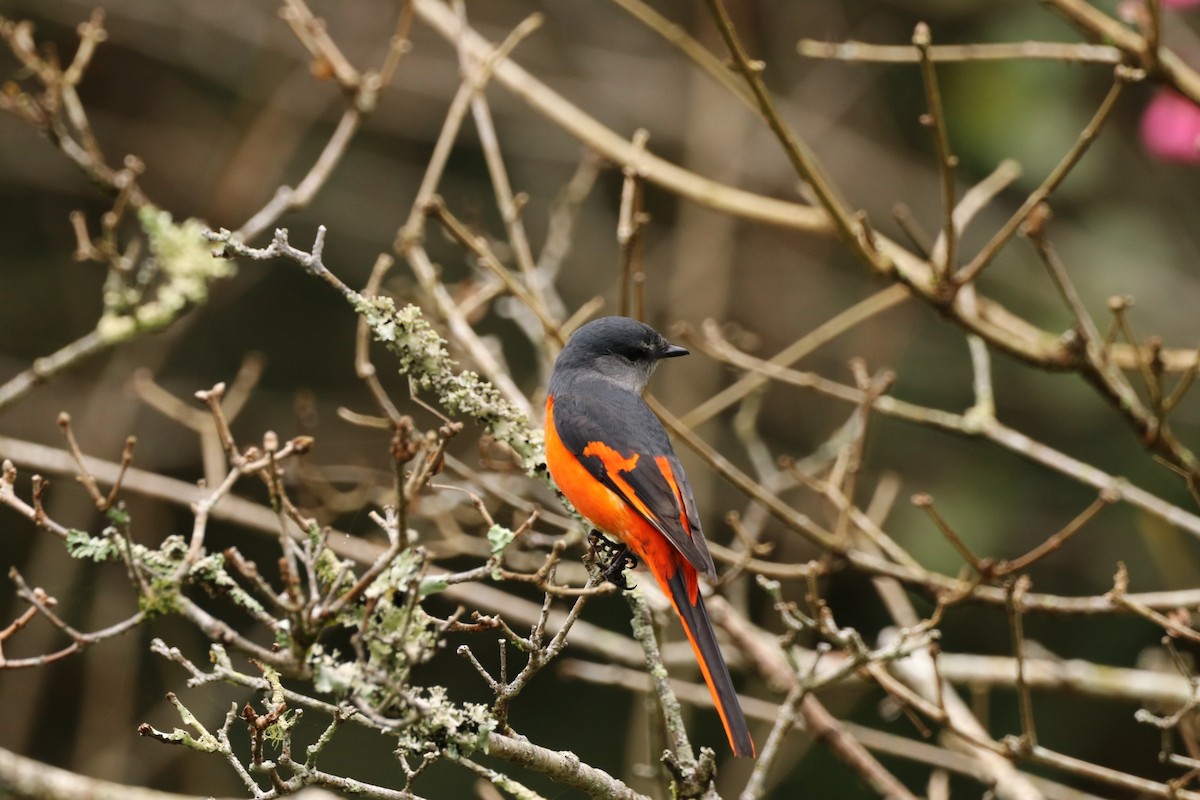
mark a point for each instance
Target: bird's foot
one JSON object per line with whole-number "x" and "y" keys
{"x": 613, "y": 559}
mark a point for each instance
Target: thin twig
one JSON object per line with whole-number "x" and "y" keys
{"x": 1155, "y": 434}
{"x": 802, "y": 160}
{"x": 1088, "y": 135}
{"x": 505, "y": 199}
{"x": 999, "y": 51}
{"x": 840, "y": 323}
{"x": 678, "y": 37}
{"x": 286, "y": 199}
{"x": 630, "y": 223}
{"x": 1163, "y": 62}
{"x": 942, "y": 259}
{"x": 1016, "y": 593}
{"x": 476, "y": 244}
{"x": 1119, "y": 595}
{"x": 1060, "y": 538}
{"x": 997, "y": 325}
{"x": 986, "y": 427}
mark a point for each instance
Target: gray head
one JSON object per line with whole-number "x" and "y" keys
{"x": 619, "y": 349}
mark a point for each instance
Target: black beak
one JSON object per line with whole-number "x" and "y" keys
{"x": 674, "y": 350}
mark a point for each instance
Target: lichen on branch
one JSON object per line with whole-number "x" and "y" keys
{"x": 422, "y": 353}
{"x": 423, "y": 356}
{"x": 177, "y": 273}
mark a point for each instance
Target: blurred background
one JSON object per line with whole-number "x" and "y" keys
{"x": 220, "y": 103}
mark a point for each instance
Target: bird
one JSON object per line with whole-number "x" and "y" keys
{"x": 612, "y": 459}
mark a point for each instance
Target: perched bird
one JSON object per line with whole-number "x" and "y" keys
{"x": 609, "y": 454}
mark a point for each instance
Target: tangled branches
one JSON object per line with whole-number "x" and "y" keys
{"x": 367, "y": 590}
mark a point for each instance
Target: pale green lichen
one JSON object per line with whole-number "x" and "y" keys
{"x": 398, "y": 635}
{"x": 160, "y": 598}
{"x": 278, "y": 732}
{"x": 115, "y": 327}
{"x": 161, "y": 590}
{"x": 204, "y": 741}
{"x": 204, "y": 744}
{"x": 402, "y": 635}
{"x": 330, "y": 568}
{"x": 499, "y": 537}
{"x": 176, "y": 273}
{"x": 159, "y": 593}
{"x": 211, "y": 569}
{"x": 330, "y": 674}
{"x": 398, "y": 576}
{"x": 432, "y": 584}
{"x": 457, "y": 730}
{"x": 163, "y": 560}
{"x": 82, "y": 545}
{"x": 424, "y": 358}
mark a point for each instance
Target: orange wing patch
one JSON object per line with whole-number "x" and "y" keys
{"x": 664, "y": 466}
{"x": 614, "y": 465}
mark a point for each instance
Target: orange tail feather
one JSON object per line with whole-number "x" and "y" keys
{"x": 680, "y": 586}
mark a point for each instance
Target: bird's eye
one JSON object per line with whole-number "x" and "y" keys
{"x": 631, "y": 352}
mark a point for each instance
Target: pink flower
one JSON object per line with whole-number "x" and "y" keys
{"x": 1170, "y": 126}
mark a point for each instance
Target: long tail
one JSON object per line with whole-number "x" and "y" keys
{"x": 682, "y": 589}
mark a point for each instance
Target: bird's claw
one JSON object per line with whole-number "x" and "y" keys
{"x": 615, "y": 574}
{"x": 613, "y": 559}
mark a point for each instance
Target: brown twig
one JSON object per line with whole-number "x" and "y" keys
{"x": 83, "y": 475}
{"x": 631, "y": 222}
{"x": 436, "y": 208}
{"x": 1119, "y": 596}
{"x": 678, "y": 37}
{"x": 976, "y": 265}
{"x": 287, "y": 199}
{"x": 43, "y": 604}
{"x": 1000, "y": 327}
{"x": 508, "y": 203}
{"x": 984, "y": 426}
{"x": 326, "y": 54}
{"x": 1163, "y": 62}
{"x": 1016, "y": 590}
{"x": 48, "y": 367}
{"x": 941, "y": 53}
{"x": 802, "y": 160}
{"x": 409, "y": 237}
{"x": 942, "y": 259}
{"x": 982, "y": 567}
{"x": 842, "y": 322}
{"x": 1057, "y": 540}
{"x": 1149, "y": 423}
